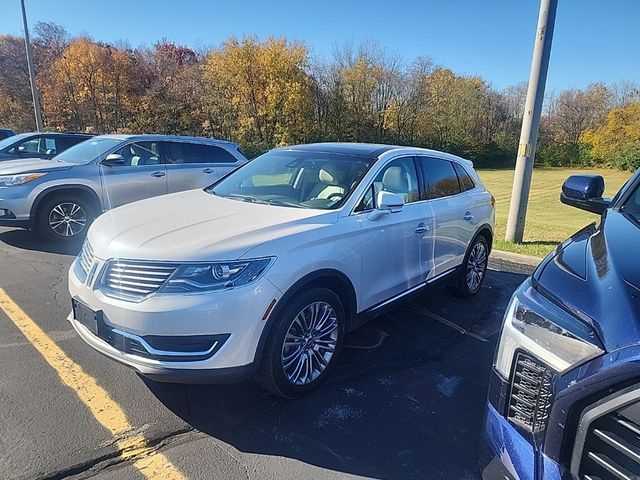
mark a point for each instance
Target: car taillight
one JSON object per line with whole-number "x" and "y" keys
{"x": 493, "y": 201}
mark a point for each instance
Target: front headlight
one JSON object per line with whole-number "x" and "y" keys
{"x": 208, "y": 277}
{"x": 11, "y": 180}
{"x": 540, "y": 327}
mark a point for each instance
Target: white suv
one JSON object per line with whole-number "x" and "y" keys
{"x": 263, "y": 273}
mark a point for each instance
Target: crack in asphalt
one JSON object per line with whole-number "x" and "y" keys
{"x": 94, "y": 466}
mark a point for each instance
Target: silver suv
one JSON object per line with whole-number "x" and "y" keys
{"x": 60, "y": 197}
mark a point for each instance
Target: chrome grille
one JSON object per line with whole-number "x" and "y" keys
{"x": 530, "y": 396}
{"x": 86, "y": 257}
{"x": 134, "y": 280}
{"x": 612, "y": 446}
{"x": 84, "y": 262}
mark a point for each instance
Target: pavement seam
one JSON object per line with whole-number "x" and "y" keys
{"x": 97, "y": 465}
{"x": 135, "y": 448}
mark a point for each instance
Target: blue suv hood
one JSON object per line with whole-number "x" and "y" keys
{"x": 596, "y": 275}
{"x": 29, "y": 165}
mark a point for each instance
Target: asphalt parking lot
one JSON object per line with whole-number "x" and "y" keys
{"x": 406, "y": 400}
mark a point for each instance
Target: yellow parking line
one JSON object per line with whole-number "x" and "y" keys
{"x": 148, "y": 461}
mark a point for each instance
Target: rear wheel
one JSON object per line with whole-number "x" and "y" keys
{"x": 64, "y": 218}
{"x": 304, "y": 344}
{"x": 473, "y": 269}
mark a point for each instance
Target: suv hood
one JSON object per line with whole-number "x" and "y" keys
{"x": 196, "y": 226}
{"x": 596, "y": 275}
{"x": 29, "y": 165}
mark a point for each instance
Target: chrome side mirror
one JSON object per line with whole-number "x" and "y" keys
{"x": 112, "y": 160}
{"x": 386, "y": 203}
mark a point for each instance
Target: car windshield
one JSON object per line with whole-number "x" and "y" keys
{"x": 86, "y": 151}
{"x": 632, "y": 206}
{"x": 11, "y": 140}
{"x": 295, "y": 179}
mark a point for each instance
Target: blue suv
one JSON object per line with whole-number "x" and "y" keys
{"x": 564, "y": 395}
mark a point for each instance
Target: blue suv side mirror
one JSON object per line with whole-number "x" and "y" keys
{"x": 585, "y": 192}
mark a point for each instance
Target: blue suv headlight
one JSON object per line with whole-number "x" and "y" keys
{"x": 536, "y": 325}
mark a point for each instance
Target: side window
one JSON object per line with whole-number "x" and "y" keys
{"x": 466, "y": 182}
{"x": 220, "y": 155}
{"x": 366, "y": 203}
{"x": 62, "y": 143}
{"x": 49, "y": 145}
{"x": 400, "y": 177}
{"x": 182, "y": 152}
{"x": 28, "y": 146}
{"x": 140, "y": 153}
{"x": 440, "y": 178}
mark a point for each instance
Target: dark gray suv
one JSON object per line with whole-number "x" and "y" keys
{"x": 38, "y": 144}
{"x": 60, "y": 197}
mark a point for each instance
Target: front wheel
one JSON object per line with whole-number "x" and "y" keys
{"x": 473, "y": 268}
{"x": 64, "y": 218}
{"x": 304, "y": 344}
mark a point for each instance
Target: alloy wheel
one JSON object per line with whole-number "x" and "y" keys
{"x": 310, "y": 343}
{"x": 476, "y": 266}
{"x": 67, "y": 219}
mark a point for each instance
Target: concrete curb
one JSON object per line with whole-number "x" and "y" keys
{"x": 516, "y": 258}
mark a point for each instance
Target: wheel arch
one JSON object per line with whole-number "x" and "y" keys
{"x": 487, "y": 232}
{"x": 82, "y": 190}
{"x": 329, "y": 278}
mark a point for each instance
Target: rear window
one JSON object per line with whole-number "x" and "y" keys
{"x": 181, "y": 152}
{"x": 440, "y": 178}
{"x": 466, "y": 182}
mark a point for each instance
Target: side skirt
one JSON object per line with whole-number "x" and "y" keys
{"x": 377, "y": 310}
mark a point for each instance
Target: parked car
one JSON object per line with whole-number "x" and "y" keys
{"x": 265, "y": 271}
{"x": 6, "y": 133}
{"x": 564, "y": 398}
{"x": 60, "y": 197}
{"x": 38, "y": 145}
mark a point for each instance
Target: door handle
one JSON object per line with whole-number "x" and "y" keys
{"x": 208, "y": 170}
{"x": 422, "y": 228}
{"x": 158, "y": 174}
{"x": 468, "y": 216}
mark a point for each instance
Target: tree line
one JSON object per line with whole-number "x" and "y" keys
{"x": 267, "y": 93}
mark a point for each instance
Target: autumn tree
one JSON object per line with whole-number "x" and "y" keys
{"x": 90, "y": 88}
{"x": 258, "y": 92}
{"x": 617, "y": 142}
{"x": 15, "y": 94}
{"x": 168, "y": 85}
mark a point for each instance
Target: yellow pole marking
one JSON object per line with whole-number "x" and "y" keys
{"x": 148, "y": 461}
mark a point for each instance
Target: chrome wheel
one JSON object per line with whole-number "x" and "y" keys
{"x": 310, "y": 343}
{"x": 67, "y": 219}
{"x": 476, "y": 266}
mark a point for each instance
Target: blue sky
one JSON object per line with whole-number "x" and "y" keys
{"x": 594, "y": 40}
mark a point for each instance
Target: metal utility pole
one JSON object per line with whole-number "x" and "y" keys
{"x": 531, "y": 121}
{"x": 32, "y": 72}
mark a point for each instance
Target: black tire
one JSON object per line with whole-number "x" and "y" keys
{"x": 73, "y": 227}
{"x": 272, "y": 374}
{"x": 464, "y": 287}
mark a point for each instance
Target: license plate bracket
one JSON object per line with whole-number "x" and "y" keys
{"x": 86, "y": 316}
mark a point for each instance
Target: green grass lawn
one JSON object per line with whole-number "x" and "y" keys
{"x": 549, "y": 222}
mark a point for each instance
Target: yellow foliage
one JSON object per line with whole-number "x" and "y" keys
{"x": 621, "y": 129}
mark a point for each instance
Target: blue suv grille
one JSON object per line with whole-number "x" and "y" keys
{"x": 612, "y": 446}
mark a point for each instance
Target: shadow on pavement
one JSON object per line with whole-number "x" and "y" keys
{"x": 27, "y": 240}
{"x": 405, "y": 401}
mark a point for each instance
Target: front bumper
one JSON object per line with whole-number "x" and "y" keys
{"x": 506, "y": 454}
{"x": 18, "y": 200}
{"x": 231, "y": 317}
